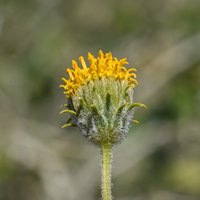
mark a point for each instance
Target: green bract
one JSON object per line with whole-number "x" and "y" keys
{"x": 103, "y": 110}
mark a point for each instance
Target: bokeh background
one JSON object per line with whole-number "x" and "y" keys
{"x": 160, "y": 159}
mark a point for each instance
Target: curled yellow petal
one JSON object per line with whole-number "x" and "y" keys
{"x": 100, "y": 67}
{"x": 83, "y": 62}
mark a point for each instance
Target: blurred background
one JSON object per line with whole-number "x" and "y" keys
{"x": 160, "y": 159}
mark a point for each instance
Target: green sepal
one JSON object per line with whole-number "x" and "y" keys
{"x": 136, "y": 121}
{"x": 119, "y": 111}
{"x": 94, "y": 110}
{"x": 97, "y": 116}
{"x": 84, "y": 105}
{"x": 136, "y": 104}
{"x": 125, "y": 90}
{"x": 119, "y": 114}
{"x": 108, "y": 101}
{"x": 108, "y": 107}
{"x": 68, "y": 111}
{"x": 69, "y": 120}
{"x": 68, "y": 125}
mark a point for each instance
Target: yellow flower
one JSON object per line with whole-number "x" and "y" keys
{"x": 102, "y": 67}
{"x": 100, "y": 102}
{"x": 100, "y": 98}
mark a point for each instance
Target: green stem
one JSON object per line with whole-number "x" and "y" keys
{"x": 106, "y": 151}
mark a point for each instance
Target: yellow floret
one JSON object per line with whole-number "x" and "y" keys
{"x": 99, "y": 68}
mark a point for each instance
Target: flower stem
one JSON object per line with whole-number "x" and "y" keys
{"x": 106, "y": 151}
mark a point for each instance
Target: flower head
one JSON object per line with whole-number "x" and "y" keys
{"x": 100, "y": 98}
{"x": 102, "y": 67}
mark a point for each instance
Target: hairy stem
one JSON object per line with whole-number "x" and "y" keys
{"x": 106, "y": 151}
